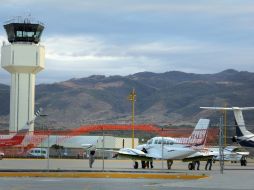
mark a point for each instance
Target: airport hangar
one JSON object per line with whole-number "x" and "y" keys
{"x": 71, "y": 146}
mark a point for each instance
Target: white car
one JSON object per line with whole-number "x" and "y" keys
{"x": 1, "y": 155}
{"x": 37, "y": 153}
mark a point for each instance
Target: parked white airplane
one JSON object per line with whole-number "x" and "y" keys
{"x": 165, "y": 148}
{"x": 230, "y": 153}
{"x": 244, "y": 137}
{"x": 168, "y": 148}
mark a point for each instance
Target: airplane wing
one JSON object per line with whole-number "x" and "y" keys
{"x": 232, "y": 108}
{"x": 243, "y": 153}
{"x": 129, "y": 153}
{"x": 133, "y": 154}
{"x": 237, "y": 150}
{"x": 198, "y": 156}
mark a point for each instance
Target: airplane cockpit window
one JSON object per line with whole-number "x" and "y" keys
{"x": 156, "y": 141}
{"x": 150, "y": 141}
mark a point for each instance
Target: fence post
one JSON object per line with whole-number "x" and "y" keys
{"x": 48, "y": 152}
{"x": 221, "y": 146}
{"x": 162, "y": 150}
{"x": 103, "y": 147}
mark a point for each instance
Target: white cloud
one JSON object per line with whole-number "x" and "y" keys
{"x": 89, "y": 48}
{"x": 69, "y": 56}
{"x": 124, "y": 37}
{"x": 159, "y": 48}
{"x": 80, "y": 48}
{"x": 131, "y": 6}
{"x": 96, "y": 55}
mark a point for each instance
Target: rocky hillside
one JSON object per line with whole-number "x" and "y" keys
{"x": 162, "y": 98}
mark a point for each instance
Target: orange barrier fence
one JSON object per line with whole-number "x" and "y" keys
{"x": 144, "y": 132}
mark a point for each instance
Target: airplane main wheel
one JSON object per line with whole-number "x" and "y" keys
{"x": 135, "y": 165}
{"x": 190, "y": 166}
{"x": 243, "y": 162}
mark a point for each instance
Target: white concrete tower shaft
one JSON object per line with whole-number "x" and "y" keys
{"x": 23, "y": 58}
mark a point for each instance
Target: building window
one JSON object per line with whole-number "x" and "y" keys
{"x": 19, "y": 33}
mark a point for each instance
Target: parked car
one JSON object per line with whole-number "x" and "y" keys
{"x": 1, "y": 155}
{"x": 37, "y": 153}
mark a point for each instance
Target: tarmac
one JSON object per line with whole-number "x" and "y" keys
{"x": 66, "y": 168}
{"x": 105, "y": 168}
{"x": 33, "y": 174}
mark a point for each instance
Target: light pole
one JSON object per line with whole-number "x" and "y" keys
{"x": 132, "y": 98}
{"x": 44, "y": 116}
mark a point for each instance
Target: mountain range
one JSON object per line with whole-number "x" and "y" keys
{"x": 170, "y": 98}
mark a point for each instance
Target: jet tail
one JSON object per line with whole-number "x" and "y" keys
{"x": 20, "y": 135}
{"x": 202, "y": 125}
{"x": 199, "y": 134}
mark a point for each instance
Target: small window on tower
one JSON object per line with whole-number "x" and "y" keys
{"x": 19, "y": 33}
{"x": 28, "y": 34}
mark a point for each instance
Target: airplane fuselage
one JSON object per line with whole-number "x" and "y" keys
{"x": 166, "y": 148}
{"x": 247, "y": 142}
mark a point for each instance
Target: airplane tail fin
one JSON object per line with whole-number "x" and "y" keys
{"x": 28, "y": 123}
{"x": 199, "y": 134}
{"x": 202, "y": 125}
{"x": 20, "y": 135}
{"x": 239, "y": 122}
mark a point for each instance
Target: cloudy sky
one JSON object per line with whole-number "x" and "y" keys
{"x": 121, "y": 37}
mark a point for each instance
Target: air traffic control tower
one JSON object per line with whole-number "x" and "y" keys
{"x": 23, "y": 57}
